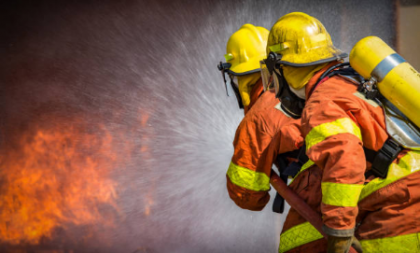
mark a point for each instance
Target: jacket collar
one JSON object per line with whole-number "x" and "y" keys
{"x": 314, "y": 80}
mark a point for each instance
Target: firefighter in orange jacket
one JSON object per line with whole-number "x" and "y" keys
{"x": 340, "y": 126}
{"x": 250, "y": 169}
{"x": 248, "y": 186}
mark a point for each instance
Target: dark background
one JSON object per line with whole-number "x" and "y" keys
{"x": 147, "y": 69}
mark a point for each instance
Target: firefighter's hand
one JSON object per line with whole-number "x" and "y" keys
{"x": 343, "y": 244}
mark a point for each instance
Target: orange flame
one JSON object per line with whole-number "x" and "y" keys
{"x": 55, "y": 177}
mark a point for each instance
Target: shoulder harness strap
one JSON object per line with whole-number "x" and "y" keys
{"x": 294, "y": 167}
{"x": 281, "y": 163}
{"x": 381, "y": 159}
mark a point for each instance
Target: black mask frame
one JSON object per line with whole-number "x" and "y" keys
{"x": 290, "y": 102}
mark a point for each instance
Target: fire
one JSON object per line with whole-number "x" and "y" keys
{"x": 55, "y": 177}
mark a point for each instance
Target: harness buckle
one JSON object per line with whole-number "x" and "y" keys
{"x": 384, "y": 158}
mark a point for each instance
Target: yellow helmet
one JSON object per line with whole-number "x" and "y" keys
{"x": 245, "y": 49}
{"x": 302, "y": 40}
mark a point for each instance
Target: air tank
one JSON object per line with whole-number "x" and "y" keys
{"x": 396, "y": 79}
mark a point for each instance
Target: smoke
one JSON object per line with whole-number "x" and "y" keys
{"x": 147, "y": 69}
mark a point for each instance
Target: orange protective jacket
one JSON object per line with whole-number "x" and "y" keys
{"x": 337, "y": 123}
{"x": 248, "y": 185}
{"x": 250, "y": 170}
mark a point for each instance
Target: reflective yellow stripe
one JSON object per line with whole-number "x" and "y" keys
{"x": 336, "y": 194}
{"x": 325, "y": 130}
{"x": 297, "y": 236}
{"x": 407, "y": 165}
{"x": 398, "y": 244}
{"x": 279, "y": 47}
{"x": 308, "y": 164}
{"x": 251, "y": 180}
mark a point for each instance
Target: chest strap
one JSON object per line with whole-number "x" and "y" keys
{"x": 382, "y": 159}
{"x": 294, "y": 167}
{"x": 282, "y": 165}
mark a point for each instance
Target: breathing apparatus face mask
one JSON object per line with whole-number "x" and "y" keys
{"x": 300, "y": 92}
{"x": 271, "y": 70}
{"x": 234, "y": 83}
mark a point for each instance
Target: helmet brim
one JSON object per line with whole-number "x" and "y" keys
{"x": 249, "y": 67}
{"x": 313, "y": 57}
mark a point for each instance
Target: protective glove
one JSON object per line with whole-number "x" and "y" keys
{"x": 343, "y": 244}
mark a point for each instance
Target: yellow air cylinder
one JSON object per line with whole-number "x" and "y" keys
{"x": 396, "y": 79}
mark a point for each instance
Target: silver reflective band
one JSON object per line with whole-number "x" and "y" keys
{"x": 386, "y": 65}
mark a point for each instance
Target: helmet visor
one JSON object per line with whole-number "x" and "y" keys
{"x": 265, "y": 75}
{"x": 276, "y": 81}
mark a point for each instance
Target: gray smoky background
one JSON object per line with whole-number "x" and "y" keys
{"x": 145, "y": 73}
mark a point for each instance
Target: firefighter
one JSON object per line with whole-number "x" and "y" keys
{"x": 248, "y": 186}
{"x": 247, "y": 183}
{"x": 340, "y": 127}
{"x": 298, "y": 235}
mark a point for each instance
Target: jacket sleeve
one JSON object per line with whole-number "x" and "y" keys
{"x": 247, "y": 186}
{"x": 334, "y": 142}
{"x": 248, "y": 176}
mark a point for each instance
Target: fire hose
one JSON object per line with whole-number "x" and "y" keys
{"x": 298, "y": 204}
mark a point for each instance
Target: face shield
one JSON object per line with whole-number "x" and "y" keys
{"x": 265, "y": 76}
{"x": 278, "y": 81}
{"x": 270, "y": 80}
{"x": 234, "y": 81}
{"x": 271, "y": 73}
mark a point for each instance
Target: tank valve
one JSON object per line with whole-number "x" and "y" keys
{"x": 369, "y": 88}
